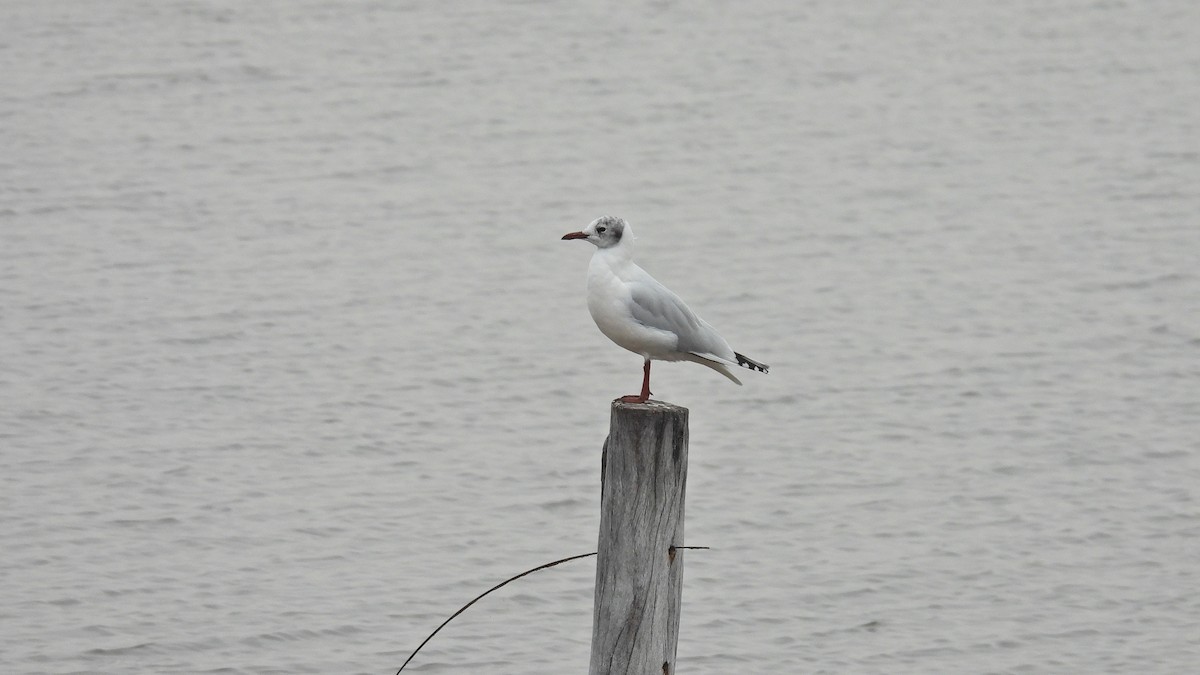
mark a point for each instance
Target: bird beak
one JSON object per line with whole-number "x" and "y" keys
{"x": 575, "y": 235}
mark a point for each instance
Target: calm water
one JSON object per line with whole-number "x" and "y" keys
{"x": 294, "y": 363}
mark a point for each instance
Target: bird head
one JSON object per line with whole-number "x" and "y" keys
{"x": 603, "y": 232}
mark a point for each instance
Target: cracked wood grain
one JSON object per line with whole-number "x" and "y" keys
{"x": 639, "y": 567}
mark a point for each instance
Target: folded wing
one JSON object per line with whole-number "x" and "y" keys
{"x": 656, "y": 306}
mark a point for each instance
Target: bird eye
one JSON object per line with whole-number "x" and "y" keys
{"x": 599, "y": 230}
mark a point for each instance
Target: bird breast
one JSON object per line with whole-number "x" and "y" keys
{"x": 609, "y": 301}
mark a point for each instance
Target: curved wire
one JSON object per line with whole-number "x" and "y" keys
{"x": 501, "y": 585}
{"x": 481, "y": 595}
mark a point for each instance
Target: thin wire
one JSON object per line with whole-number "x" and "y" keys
{"x": 501, "y": 585}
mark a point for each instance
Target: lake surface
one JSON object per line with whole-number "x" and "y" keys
{"x": 295, "y": 363}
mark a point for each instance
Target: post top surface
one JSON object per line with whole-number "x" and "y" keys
{"x": 649, "y": 406}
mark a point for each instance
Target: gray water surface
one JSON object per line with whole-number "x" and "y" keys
{"x": 295, "y": 364}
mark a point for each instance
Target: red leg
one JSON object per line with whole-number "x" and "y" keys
{"x": 645, "y": 395}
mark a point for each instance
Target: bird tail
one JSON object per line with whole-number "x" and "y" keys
{"x": 747, "y": 362}
{"x": 715, "y": 365}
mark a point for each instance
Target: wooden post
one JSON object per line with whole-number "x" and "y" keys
{"x": 639, "y": 574}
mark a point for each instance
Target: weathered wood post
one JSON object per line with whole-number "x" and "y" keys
{"x": 639, "y": 573}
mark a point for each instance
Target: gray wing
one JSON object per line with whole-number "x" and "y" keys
{"x": 654, "y": 305}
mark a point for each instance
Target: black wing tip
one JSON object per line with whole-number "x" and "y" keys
{"x": 746, "y": 362}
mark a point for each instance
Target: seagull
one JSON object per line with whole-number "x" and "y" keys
{"x": 635, "y": 311}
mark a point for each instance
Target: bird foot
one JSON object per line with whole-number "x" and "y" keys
{"x": 634, "y": 398}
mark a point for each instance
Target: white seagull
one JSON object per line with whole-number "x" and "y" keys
{"x": 645, "y": 317}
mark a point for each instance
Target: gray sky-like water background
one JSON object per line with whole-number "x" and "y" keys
{"x": 294, "y": 362}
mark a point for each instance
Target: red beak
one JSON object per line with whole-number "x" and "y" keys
{"x": 575, "y": 235}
